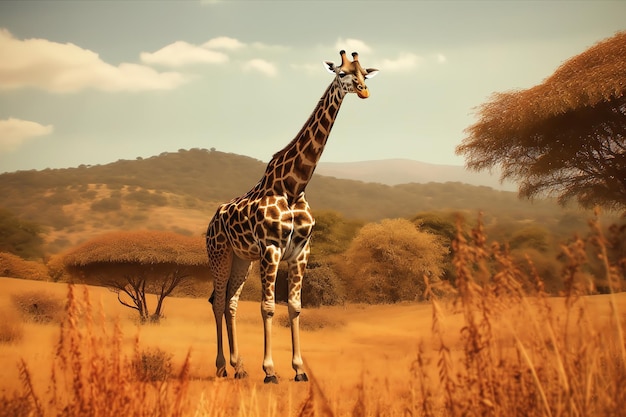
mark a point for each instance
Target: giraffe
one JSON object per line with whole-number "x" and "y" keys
{"x": 272, "y": 223}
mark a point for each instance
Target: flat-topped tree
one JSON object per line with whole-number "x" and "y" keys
{"x": 564, "y": 137}
{"x": 134, "y": 264}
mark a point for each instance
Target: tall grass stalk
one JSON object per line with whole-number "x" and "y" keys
{"x": 90, "y": 375}
{"x": 525, "y": 354}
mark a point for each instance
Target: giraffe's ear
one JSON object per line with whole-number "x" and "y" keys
{"x": 330, "y": 67}
{"x": 371, "y": 73}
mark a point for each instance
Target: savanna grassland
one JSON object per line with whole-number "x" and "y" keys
{"x": 517, "y": 328}
{"x": 489, "y": 348}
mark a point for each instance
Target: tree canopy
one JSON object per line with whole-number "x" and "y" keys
{"x": 563, "y": 137}
{"x": 144, "y": 247}
{"x": 135, "y": 263}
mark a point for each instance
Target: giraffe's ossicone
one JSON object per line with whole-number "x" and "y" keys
{"x": 272, "y": 223}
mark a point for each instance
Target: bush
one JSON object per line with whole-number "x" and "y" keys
{"x": 147, "y": 198}
{"x": 151, "y": 365}
{"x": 546, "y": 266}
{"x": 11, "y": 327}
{"x": 107, "y": 204}
{"x": 39, "y": 306}
{"x": 387, "y": 261}
{"x": 20, "y": 237}
{"x": 322, "y": 287}
{"x": 15, "y": 267}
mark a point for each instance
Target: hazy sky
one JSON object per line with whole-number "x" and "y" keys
{"x": 91, "y": 82}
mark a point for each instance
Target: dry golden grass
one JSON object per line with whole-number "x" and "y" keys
{"x": 490, "y": 350}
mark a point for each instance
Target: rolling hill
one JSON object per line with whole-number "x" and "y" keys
{"x": 179, "y": 191}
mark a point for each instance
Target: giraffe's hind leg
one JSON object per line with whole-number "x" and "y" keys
{"x": 238, "y": 275}
{"x": 220, "y": 261}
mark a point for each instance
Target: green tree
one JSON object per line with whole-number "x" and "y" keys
{"x": 534, "y": 237}
{"x": 134, "y": 264}
{"x": 19, "y": 237}
{"x": 565, "y": 137}
{"x": 332, "y": 234}
{"x": 386, "y": 262}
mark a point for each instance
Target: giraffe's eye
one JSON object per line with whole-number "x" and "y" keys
{"x": 342, "y": 74}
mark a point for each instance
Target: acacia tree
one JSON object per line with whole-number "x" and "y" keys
{"x": 134, "y": 264}
{"x": 564, "y": 137}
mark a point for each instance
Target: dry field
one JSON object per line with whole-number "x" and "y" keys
{"x": 364, "y": 360}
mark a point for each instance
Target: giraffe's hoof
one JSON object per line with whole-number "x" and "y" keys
{"x": 270, "y": 379}
{"x": 301, "y": 378}
{"x": 241, "y": 374}
{"x": 221, "y": 372}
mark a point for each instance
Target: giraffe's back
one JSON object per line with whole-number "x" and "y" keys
{"x": 252, "y": 223}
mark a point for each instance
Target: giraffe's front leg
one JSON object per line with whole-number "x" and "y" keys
{"x": 269, "y": 269}
{"x": 296, "y": 274}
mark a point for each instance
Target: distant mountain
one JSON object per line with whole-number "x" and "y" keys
{"x": 404, "y": 171}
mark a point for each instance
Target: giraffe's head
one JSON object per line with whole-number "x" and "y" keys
{"x": 351, "y": 75}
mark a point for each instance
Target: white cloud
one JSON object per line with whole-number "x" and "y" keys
{"x": 262, "y": 66}
{"x": 352, "y": 45}
{"x": 65, "y": 68}
{"x": 406, "y": 61}
{"x": 267, "y": 47}
{"x": 223, "y": 42}
{"x": 181, "y": 53}
{"x": 14, "y": 132}
{"x": 309, "y": 68}
{"x": 441, "y": 58}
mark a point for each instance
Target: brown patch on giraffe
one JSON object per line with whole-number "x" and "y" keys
{"x": 311, "y": 151}
{"x": 290, "y": 182}
{"x": 325, "y": 123}
{"x": 271, "y": 212}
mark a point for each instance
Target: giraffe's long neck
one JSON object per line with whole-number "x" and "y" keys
{"x": 290, "y": 169}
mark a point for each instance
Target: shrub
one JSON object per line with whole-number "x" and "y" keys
{"x": 151, "y": 365}
{"x": 386, "y": 262}
{"x": 38, "y": 306}
{"x": 322, "y": 287}
{"x": 147, "y": 198}
{"x": 11, "y": 327}
{"x": 15, "y": 267}
{"x": 20, "y": 237}
{"x": 107, "y": 204}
